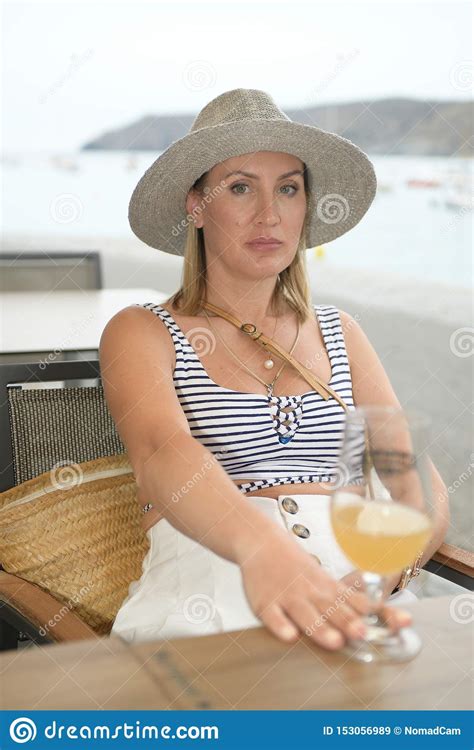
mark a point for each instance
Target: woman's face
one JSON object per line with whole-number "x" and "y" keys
{"x": 253, "y": 195}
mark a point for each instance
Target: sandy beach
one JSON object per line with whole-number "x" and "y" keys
{"x": 421, "y": 331}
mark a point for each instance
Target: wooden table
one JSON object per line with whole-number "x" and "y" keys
{"x": 68, "y": 320}
{"x": 245, "y": 669}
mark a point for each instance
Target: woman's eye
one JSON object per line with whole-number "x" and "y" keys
{"x": 243, "y": 185}
{"x": 237, "y": 185}
{"x": 293, "y": 187}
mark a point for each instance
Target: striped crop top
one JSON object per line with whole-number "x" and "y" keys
{"x": 287, "y": 440}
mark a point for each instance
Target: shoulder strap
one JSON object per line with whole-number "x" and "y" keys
{"x": 271, "y": 346}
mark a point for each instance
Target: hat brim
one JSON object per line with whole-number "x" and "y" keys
{"x": 341, "y": 178}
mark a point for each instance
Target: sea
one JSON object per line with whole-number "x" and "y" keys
{"x": 420, "y": 224}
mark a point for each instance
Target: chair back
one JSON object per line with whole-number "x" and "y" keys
{"x": 50, "y": 416}
{"x": 45, "y": 271}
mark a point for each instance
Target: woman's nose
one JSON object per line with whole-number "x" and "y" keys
{"x": 267, "y": 210}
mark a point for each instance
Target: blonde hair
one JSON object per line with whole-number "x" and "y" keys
{"x": 292, "y": 283}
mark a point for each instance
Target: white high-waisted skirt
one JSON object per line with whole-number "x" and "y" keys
{"x": 187, "y": 590}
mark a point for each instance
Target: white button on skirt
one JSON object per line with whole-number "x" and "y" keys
{"x": 187, "y": 590}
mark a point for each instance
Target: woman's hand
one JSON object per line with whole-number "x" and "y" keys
{"x": 394, "y": 617}
{"x": 290, "y": 593}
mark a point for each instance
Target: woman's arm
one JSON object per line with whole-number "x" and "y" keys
{"x": 195, "y": 494}
{"x": 371, "y": 386}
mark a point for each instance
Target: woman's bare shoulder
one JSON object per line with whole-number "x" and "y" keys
{"x": 139, "y": 329}
{"x": 137, "y": 358}
{"x": 136, "y": 316}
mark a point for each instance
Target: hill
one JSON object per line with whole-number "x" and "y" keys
{"x": 386, "y": 126}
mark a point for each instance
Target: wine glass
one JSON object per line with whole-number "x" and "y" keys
{"x": 382, "y": 511}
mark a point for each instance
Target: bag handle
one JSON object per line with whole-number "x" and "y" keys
{"x": 324, "y": 389}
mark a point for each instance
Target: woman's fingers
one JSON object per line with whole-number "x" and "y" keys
{"x": 310, "y": 621}
{"x": 395, "y": 618}
{"x": 328, "y": 614}
{"x": 341, "y": 615}
{"x": 279, "y": 623}
{"x": 293, "y": 595}
{"x": 356, "y": 598}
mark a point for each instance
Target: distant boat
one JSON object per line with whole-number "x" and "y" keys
{"x": 457, "y": 200}
{"x": 420, "y": 183}
{"x": 131, "y": 163}
{"x": 461, "y": 181}
{"x": 64, "y": 163}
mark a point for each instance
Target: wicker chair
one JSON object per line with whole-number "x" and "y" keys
{"x": 37, "y": 405}
{"x": 35, "y": 435}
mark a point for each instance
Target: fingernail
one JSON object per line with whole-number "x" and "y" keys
{"x": 358, "y": 629}
{"x": 404, "y": 615}
{"x": 332, "y": 638}
{"x": 288, "y": 633}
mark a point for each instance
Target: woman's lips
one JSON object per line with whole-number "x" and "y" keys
{"x": 264, "y": 244}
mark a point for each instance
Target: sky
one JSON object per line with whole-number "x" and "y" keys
{"x": 71, "y": 71}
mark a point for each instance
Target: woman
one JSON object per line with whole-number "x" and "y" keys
{"x": 220, "y": 434}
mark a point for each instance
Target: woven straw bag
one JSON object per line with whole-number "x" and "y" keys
{"x": 76, "y": 531}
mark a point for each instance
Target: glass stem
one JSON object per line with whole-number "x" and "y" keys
{"x": 374, "y": 584}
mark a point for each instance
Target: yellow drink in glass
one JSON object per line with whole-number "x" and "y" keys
{"x": 380, "y": 536}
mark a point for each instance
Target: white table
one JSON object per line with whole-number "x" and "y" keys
{"x": 63, "y": 321}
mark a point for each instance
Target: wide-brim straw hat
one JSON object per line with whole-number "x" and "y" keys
{"x": 341, "y": 177}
